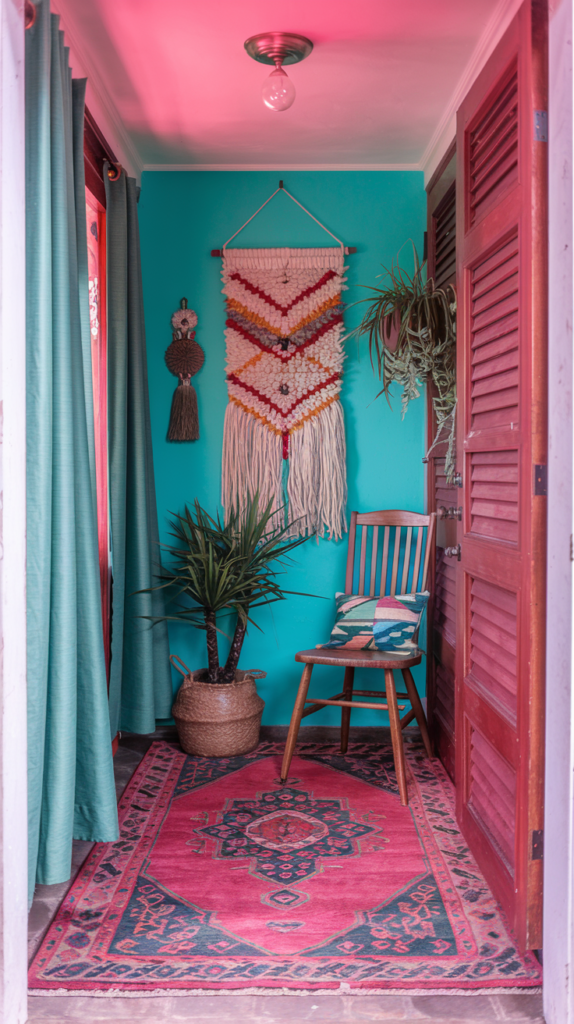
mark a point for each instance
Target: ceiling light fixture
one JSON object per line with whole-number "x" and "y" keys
{"x": 278, "y": 48}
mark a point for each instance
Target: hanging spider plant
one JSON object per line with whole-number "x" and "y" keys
{"x": 411, "y": 327}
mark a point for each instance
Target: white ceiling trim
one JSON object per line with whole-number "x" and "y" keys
{"x": 282, "y": 167}
{"x": 103, "y": 109}
{"x": 445, "y": 131}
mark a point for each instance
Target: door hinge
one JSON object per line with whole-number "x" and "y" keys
{"x": 541, "y": 126}
{"x": 541, "y": 480}
{"x": 537, "y": 844}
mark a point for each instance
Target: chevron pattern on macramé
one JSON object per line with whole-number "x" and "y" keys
{"x": 284, "y": 364}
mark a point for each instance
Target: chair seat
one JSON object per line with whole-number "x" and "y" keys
{"x": 359, "y": 659}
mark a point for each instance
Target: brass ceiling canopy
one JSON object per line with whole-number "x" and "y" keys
{"x": 278, "y": 47}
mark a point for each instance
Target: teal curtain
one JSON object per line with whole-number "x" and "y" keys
{"x": 71, "y": 782}
{"x": 140, "y": 677}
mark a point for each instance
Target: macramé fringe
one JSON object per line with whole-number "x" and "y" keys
{"x": 252, "y": 463}
{"x": 317, "y": 483}
{"x": 316, "y": 487}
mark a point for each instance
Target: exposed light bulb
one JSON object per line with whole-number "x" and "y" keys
{"x": 278, "y": 90}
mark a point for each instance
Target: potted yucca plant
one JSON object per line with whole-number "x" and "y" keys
{"x": 220, "y": 568}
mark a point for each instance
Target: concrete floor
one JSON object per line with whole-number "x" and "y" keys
{"x": 257, "y": 1009}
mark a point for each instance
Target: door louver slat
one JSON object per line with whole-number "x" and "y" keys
{"x": 492, "y": 797}
{"x": 494, "y": 345}
{"x": 494, "y": 495}
{"x": 493, "y": 156}
{"x": 445, "y": 578}
{"x": 487, "y": 127}
{"x": 445, "y": 239}
{"x": 493, "y": 644}
{"x": 483, "y": 282}
{"x": 446, "y": 224}
{"x": 445, "y": 597}
{"x": 444, "y": 683}
{"x": 445, "y": 493}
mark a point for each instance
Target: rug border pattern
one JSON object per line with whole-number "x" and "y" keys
{"x": 143, "y": 806}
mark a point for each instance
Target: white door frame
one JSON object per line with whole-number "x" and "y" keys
{"x": 559, "y": 824}
{"x": 13, "y": 810}
{"x": 559, "y": 795}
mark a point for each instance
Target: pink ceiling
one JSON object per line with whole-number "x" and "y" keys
{"x": 372, "y": 92}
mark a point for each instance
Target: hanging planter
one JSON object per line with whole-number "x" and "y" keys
{"x": 411, "y": 327}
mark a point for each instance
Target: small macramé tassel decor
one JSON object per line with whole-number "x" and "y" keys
{"x": 284, "y": 366}
{"x": 184, "y": 419}
{"x": 184, "y": 358}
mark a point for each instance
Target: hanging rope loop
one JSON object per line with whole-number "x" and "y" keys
{"x": 304, "y": 208}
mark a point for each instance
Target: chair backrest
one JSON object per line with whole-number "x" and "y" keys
{"x": 396, "y": 562}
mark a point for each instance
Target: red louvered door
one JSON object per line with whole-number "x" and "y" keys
{"x": 501, "y": 261}
{"x": 442, "y": 497}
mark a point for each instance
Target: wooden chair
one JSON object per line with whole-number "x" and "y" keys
{"x": 399, "y": 566}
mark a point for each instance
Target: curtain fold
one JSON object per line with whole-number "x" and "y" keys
{"x": 140, "y": 677}
{"x": 71, "y": 782}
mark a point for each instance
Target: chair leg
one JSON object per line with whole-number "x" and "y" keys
{"x": 295, "y": 721}
{"x": 418, "y": 709}
{"x": 396, "y": 736}
{"x": 346, "y": 712}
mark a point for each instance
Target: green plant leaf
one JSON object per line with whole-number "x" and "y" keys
{"x": 425, "y": 351}
{"x": 223, "y": 568}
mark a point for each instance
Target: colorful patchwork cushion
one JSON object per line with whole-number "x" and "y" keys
{"x": 397, "y": 621}
{"x": 377, "y": 623}
{"x": 353, "y": 627}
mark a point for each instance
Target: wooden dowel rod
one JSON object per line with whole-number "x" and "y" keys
{"x": 350, "y": 250}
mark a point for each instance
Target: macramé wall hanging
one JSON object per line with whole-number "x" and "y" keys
{"x": 184, "y": 358}
{"x": 284, "y": 434}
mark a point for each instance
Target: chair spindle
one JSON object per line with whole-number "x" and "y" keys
{"x": 406, "y": 565}
{"x": 417, "y": 566}
{"x": 374, "y": 561}
{"x": 396, "y": 560}
{"x": 385, "y": 566}
{"x": 364, "y": 532}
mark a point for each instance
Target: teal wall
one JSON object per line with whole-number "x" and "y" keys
{"x": 183, "y": 216}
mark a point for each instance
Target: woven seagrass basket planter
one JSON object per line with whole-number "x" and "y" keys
{"x": 218, "y": 719}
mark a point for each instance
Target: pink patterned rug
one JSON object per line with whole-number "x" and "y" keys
{"x": 224, "y": 879}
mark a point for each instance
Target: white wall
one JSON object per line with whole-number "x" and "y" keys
{"x": 13, "y": 825}
{"x": 559, "y": 809}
